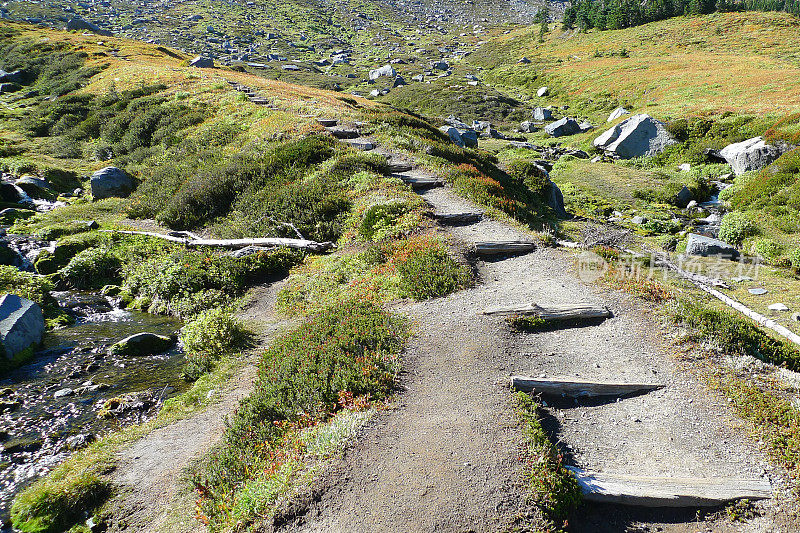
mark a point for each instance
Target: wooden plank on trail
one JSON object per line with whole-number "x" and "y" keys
{"x": 578, "y": 388}
{"x": 420, "y": 182}
{"x": 552, "y": 312}
{"x": 364, "y": 146}
{"x": 458, "y": 218}
{"x": 396, "y": 168}
{"x": 328, "y": 122}
{"x": 646, "y": 491}
{"x": 504, "y": 247}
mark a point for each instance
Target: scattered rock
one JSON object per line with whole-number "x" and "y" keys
{"x": 63, "y": 393}
{"x": 202, "y": 62}
{"x": 707, "y": 247}
{"x": 78, "y": 24}
{"x": 527, "y": 127}
{"x": 617, "y": 113}
{"x": 142, "y": 344}
{"x": 542, "y": 113}
{"x": 76, "y": 442}
{"x": 752, "y": 154}
{"x": 758, "y": 291}
{"x": 543, "y": 91}
{"x": 683, "y": 197}
{"x": 638, "y": 220}
{"x": 778, "y": 307}
{"x": 387, "y": 71}
{"x": 555, "y": 199}
{"x": 399, "y": 81}
{"x": 111, "y": 182}
{"x": 796, "y": 317}
{"x": 565, "y": 126}
{"x": 21, "y": 326}
{"x": 640, "y": 135}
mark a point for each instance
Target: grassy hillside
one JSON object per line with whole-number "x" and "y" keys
{"x": 730, "y": 62}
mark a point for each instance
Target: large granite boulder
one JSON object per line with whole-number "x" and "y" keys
{"x": 565, "y": 126}
{"x": 386, "y": 71}
{"x": 708, "y": 247}
{"x": 111, "y": 182}
{"x": 752, "y": 154}
{"x": 21, "y": 326}
{"x": 470, "y": 138}
{"x": 639, "y": 136}
{"x": 142, "y": 344}
{"x": 453, "y": 134}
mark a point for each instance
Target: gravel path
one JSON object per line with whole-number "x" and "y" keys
{"x": 448, "y": 457}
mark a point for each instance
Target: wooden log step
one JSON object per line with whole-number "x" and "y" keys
{"x": 420, "y": 182}
{"x": 646, "y": 491}
{"x": 261, "y": 101}
{"x": 328, "y": 122}
{"x": 364, "y": 146}
{"x": 504, "y": 247}
{"x": 398, "y": 167}
{"x": 552, "y": 312}
{"x": 344, "y": 133}
{"x": 458, "y": 218}
{"x": 573, "y": 388}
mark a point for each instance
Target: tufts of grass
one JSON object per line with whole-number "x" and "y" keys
{"x": 427, "y": 270}
{"x": 210, "y": 336}
{"x": 552, "y": 488}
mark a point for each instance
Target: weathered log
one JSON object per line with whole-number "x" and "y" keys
{"x": 553, "y": 312}
{"x": 300, "y": 244}
{"x": 504, "y": 247}
{"x": 358, "y": 144}
{"x": 420, "y": 182}
{"x": 328, "y": 122}
{"x": 578, "y": 388}
{"x": 458, "y": 218}
{"x": 396, "y": 168}
{"x": 646, "y": 491}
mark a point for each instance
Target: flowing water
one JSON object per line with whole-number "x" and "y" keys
{"x": 73, "y": 391}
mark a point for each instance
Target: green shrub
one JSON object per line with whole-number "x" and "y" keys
{"x": 736, "y": 334}
{"x": 34, "y": 288}
{"x": 532, "y": 175}
{"x": 794, "y": 258}
{"x": 736, "y": 227}
{"x": 430, "y": 272}
{"x": 211, "y": 335}
{"x": 768, "y": 249}
{"x": 378, "y": 220}
{"x": 350, "y": 348}
{"x": 92, "y": 269}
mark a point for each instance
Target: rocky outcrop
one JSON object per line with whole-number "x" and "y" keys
{"x": 752, "y": 154}
{"x": 542, "y": 113}
{"x": 21, "y": 326}
{"x": 111, "y": 182}
{"x": 639, "y": 136}
{"x": 142, "y": 344}
{"x": 555, "y": 199}
{"x": 708, "y": 247}
{"x": 11, "y": 77}
{"x": 78, "y": 24}
{"x": 565, "y": 126}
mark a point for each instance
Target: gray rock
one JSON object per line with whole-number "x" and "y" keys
{"x": 63, "y": 393}
{"x": 111, "y": 182}
{"x": 142, "y": 344}
{"x": 6, "y": 88}
{"x": 708, "y": 247}
{"x": 78, "y": 24}
{"x": 543, "y": 91}
{"x": 563, "y": 127}
{"x": 21, "y": 325}
{"x": 586, "y": 126}
{"x": 202, "y": 62}
{"x": 617, "y": 113}
{"x": 641, "y": 135}
{"x": 683, "y": 197}
{"x": 11, "y": 77}
{"x": 777, "y": 307}
{"x": 387, "y": 71}
{"x": 440, "y": 65}
{"x": 684, "y": 167}
{"x": 456, "y": 123}
{"x": 399, "y": 81}
{"x": 76, "y": 442}
{"x": 555, "y": 199}
{"x": 638, "y": 220}
{"x": 527, "y": 127}
{"x": 418, "y": 78}
{"x": 542, "y": 113}
{"x": 470, "y": 138}
{"x": 752, "y": 154}
{"x": 758, "y": 291}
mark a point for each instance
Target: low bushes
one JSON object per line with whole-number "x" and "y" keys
{"x": 92, "y": 269}
{"x": 346, "y": 351}
{"x": 427, "y": 270}
{"x": 211, "y": 335}
{"x": 736, "y": 227}
{"x": 36, "y": 289}
{"x": 736, "y": 334}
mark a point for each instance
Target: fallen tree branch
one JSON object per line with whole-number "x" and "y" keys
{"x": 299, "y": 244}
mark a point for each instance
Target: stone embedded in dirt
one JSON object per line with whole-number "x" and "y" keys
{"x": 758, "y": 291}
{"x": 708, "y": 247}
{"x": 555, "y": 199}
{"x": 527, "y": 127}
{"x": 63, "y": 393}
{"x": 142, "y": 344}
{"x": 641, "y": 135}
{"x": 752, "y": 154}
{"x": 543, "y": 91}
{"x": 111, "y": 182}
{"x": 21, "y": 325}
{"x": 81, "y": 440}
{"x": 563, "y": 127}
{"x": 778, "y": 307}
{"x": 617, "y": 113}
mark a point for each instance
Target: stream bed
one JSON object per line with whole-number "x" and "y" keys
{"x": 72, "y": 391}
